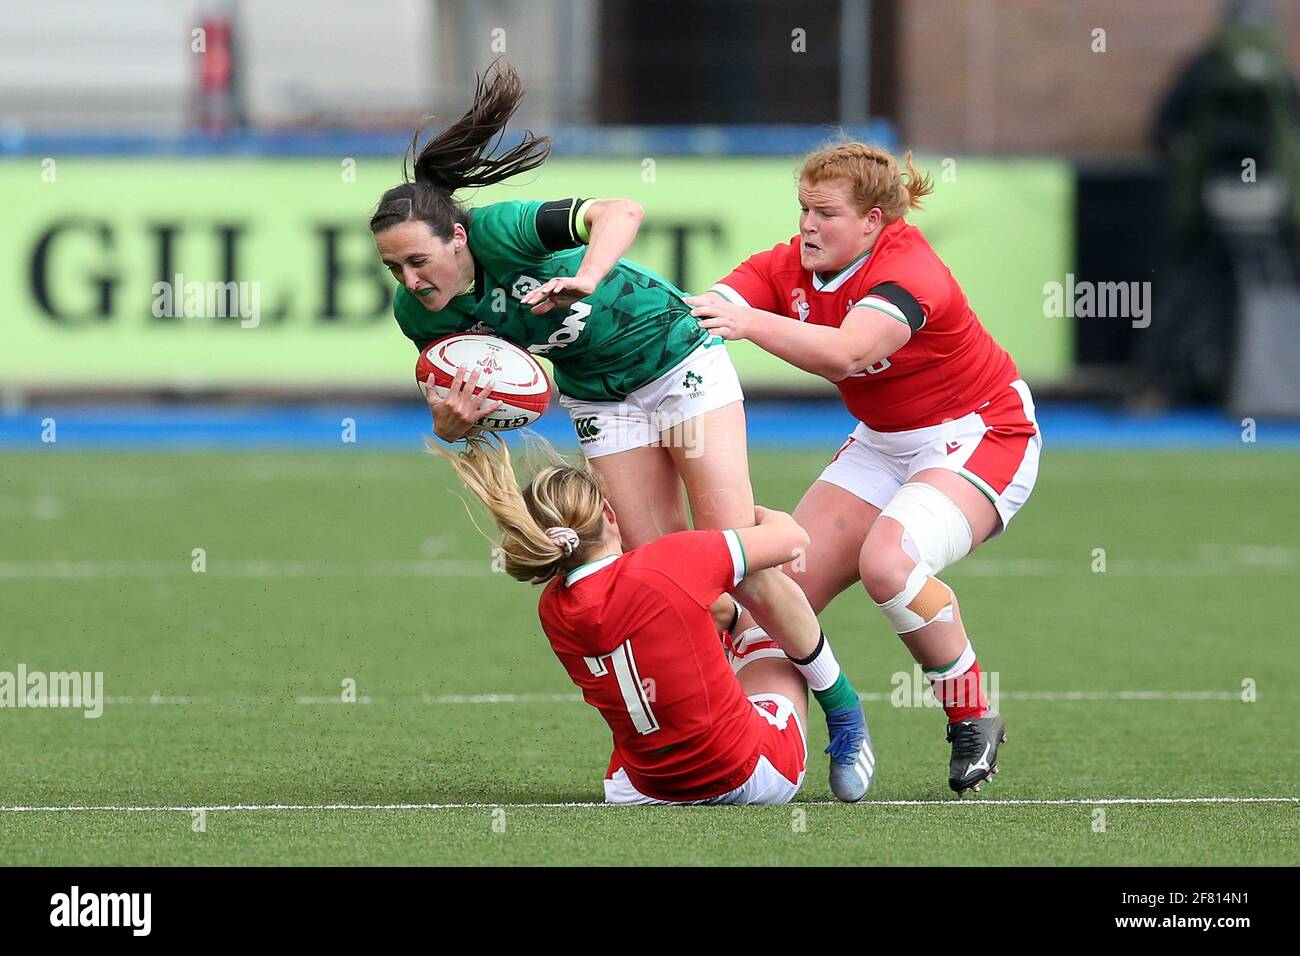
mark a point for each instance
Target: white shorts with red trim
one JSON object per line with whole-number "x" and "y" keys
{"x": 996, "y": 448}
{"x": 777, "y": 777}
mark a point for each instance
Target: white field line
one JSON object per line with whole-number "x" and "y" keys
{"x": 318, "y": 807}
{"x": 23, "y": 570}
{"x": 1210, "y": 561}
{"x": 158, "y": 699}
{"x": 501, "y": 698}
{"x": 876, "y": 696}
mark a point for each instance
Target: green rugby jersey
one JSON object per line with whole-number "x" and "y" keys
{"x": 631, "y": 330}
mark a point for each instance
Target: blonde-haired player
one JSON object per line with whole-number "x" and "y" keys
{"x": 636, "y": 634}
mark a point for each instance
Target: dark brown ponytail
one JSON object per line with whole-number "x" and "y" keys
{"x": 459, "y": 157}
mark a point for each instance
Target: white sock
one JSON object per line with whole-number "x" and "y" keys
{"x": 820, "y": 668}
{"x": 958, "y": 667}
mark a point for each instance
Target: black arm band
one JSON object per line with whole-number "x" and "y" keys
{"x": 895, "y": 294}
{"x": 557, "y": 224}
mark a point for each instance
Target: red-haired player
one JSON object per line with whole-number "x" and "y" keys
{"x": 946, "y": 448}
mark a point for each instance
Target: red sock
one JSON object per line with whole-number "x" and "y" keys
{"x": 962, "y": 697}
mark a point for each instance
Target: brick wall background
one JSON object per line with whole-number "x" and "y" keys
{"x": 1019, "y": 76}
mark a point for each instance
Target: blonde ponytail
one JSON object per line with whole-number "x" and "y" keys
{"x": 551, "y": 524}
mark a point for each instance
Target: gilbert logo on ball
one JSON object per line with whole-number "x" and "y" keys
{"x": 520, "y": 383}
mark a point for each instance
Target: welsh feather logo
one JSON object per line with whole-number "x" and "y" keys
{"x": 587, "y": 429}
{"x": 523, "y": 285}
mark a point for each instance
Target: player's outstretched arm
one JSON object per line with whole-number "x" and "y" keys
{"x": 611, "y": 226}
{"x": 865, "y": 337}
{"x": 775, "y": 539}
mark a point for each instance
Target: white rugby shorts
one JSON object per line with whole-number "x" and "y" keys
{"x": 996, "y": 448}
{"x": 702, "y": 382}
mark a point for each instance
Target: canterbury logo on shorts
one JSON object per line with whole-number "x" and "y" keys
{"x": 587, "y": 429}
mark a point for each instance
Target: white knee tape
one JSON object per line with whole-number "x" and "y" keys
{"x": 939, "y": 533}
{"x": 923, "y": 600}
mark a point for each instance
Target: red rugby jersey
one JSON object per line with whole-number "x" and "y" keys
{"x": 635, "y": 634}
{"x": 948, "y": 368}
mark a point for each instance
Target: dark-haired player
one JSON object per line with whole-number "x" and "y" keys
{"x": 655, "y": 400}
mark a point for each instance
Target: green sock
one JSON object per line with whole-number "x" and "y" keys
{"x": 839, "y": 695}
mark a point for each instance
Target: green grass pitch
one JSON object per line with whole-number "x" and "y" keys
{"x": 223, "y": 686}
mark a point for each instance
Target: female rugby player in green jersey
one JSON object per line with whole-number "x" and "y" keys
{"x": 654, "y": 399}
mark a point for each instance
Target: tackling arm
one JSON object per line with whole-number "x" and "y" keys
{"x": 773, "y": 540}
{"x": 866, "y": 336}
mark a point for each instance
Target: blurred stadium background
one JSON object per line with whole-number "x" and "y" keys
{"x": 1149, "y": 153}
{"x": 246, "y": 141}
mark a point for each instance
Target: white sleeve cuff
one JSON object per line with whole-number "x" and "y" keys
{"x": 881, "y": 305}
{"x": 728, "y": 293}
{"x": 739, "y": 567}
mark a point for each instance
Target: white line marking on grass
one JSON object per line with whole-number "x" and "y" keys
{"x": 1129, "y": 567}
{"x": 308, "y": 700}
{"x": 318, "y": 807}
{"x": 363, "y": 699}
{"x": 154, "y": 698}
{"x": 1061, "y": 695}
{"x": 878, "y": 696}
{"x": 24, "y": 570}
{"x": 1213, "y": 562}
{"x": 1009, "y": 567}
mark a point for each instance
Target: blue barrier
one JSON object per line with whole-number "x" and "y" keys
{"x": 636, "y": 141}
{"x": 813, "y": 426}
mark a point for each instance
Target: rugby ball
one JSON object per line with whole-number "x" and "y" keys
{"x": 521, "y": 385}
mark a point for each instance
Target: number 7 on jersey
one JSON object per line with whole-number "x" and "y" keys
{"x": 629, "y": 683}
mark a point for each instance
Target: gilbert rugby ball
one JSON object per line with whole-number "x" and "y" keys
{"x": 520, "y": 383}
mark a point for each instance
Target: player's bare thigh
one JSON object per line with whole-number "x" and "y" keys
{"x": 645, "y": 492}
{"x": 714, "y": 463}
{"x": 711, "y": 454}
{"x": 837, "y": 522}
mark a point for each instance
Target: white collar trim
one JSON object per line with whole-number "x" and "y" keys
{"x": 590, "y": 568}
{"x": 843, "y": 276}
